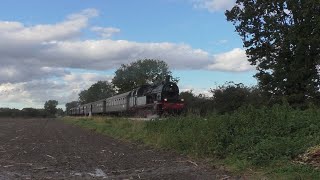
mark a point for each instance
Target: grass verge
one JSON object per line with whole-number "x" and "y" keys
{"x": 256, "y": 142}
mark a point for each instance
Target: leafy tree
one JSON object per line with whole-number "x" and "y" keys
{"x": 141, "y": 72}
{"x": 188, "y": 97}
{"x": 231, "y": 96}
{"x": 7, "y": 112}
{"x": 282, "y": 38}
{"x": 60, "y": 112}
{"x": 197, "y": 105}
{"x": 30, "y": 112}
{"x": 71, "y": 104}
{"x": 51, "y": 106}
{"x": 25, "y": 112}
{"x": 99, "y": 90}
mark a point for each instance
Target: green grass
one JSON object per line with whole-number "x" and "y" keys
{"x": 266, "y": 140}
{"x": 115, "y": 127}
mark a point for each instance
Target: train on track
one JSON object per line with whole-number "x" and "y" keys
{"x": 144, "y": 101}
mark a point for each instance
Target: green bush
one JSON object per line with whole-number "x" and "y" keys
{"x": 259, "y": 136}
{"x": 249, "y": 136}
{"x": 225, "y": 99}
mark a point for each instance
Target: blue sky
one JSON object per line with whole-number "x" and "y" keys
{"x": 68, "y": 45}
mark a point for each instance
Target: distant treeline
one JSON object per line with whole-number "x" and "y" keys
{"x": 230, "y": 97}
{"x": 26, "y": 112}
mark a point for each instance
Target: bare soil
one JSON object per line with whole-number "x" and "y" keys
{"x": 51, "y": 149}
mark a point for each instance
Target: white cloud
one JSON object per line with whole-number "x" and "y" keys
{"x": 35, "y": 93}
{"x": 21, "y": 46}
{"x": 214, "y": 5}
{"x": 26, "y": 53}
{"x": 23, "y": 73}
{"x": 196, "y": 91}
{"x": 10, "y": 26}
{"x": 32, "y": 55}
{"x": 223, "y": 41}
{"x": 16, "y": 32}
{"x": 105, "y": 32}
{"x": 108, "y": 54}
{"x": 233, "y": 61}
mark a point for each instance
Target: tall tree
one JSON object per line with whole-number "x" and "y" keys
{"x": 282, "y": 38}
{"x": 140, "y": 72}
{"x": 51, "y": 106}
{"x": 71, "y": 104}
{"x": 99, "y": 90}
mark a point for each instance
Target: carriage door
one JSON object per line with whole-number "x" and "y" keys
{"x": 104, "y": 106}
{"x": 135, "y": 97}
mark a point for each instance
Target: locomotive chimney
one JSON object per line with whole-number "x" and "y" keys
{"x": 168, "y": 77}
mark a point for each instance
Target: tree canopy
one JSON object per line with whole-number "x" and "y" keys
{"x": 135, "y": 74}
{"x": 25, "y": 112}
{"x": 71, "y": 104}
{"x": 231, "y": 96}
{"x": 282, "y": 38}
{"x": 97, "y": 91}
{"x": 51, "y": 107}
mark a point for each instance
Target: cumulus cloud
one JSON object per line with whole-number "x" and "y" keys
{"x": 26, "y": 52}
{"x": 17, "y": 73}
{"x": 16, "y": 32}
{"x": 105, "y": 32}
{"x": 35, "y": 93}
{"x": 31, "y": 56}
{"x": 21, "y": 45}
{"x": 108, "y": 54}
{"x": 204, "y": 92}
{"x": 234, "y": 61}
{"x": 214, "y": 5}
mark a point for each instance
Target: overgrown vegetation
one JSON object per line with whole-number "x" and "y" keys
{"x": 281, "y": 38}
{"x": 50, "y": 110}
{"x": 259, "y": 136}
{"x": 225, "y": 99}
{"x": 119, "y": 128}
{"x": 250, "y": 137}
{"x": 97, "y": 91}
{"x": 26, "y": 112}
{"x": 50, "y": 107}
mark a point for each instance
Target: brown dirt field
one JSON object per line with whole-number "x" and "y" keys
{"x": 51, "y": 149}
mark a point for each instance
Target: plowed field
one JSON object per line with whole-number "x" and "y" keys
{"x": 51, "y": 149}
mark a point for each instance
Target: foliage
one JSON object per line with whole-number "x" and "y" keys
{"x": 282, "y": 38}
{"x": 97, "y": 91}
{"x": 197, "y": 105}
{"x": 231, "y": 96}
{"x": 60, "y": 112}
{"x": 226, "y": 99}
{"x": 31, "y": 112}
{"x": 7, "y": 112}
{"x": 115, "y": 127}
{"x": 260, "y": 136}
{"x": 250, "y": 137}
{"x": 51, "y": 107}
{"x": 72, "y": 104}
{"x": 25, "y": 112}
{"x": 140, "y": 72}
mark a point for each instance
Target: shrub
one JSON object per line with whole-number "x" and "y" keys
{"x": 259, "y": 136}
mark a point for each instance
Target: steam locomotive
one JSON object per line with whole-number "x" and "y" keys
{"x": 146, "y": 100}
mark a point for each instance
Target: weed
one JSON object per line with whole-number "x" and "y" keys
{"x": 249, "y": 137}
